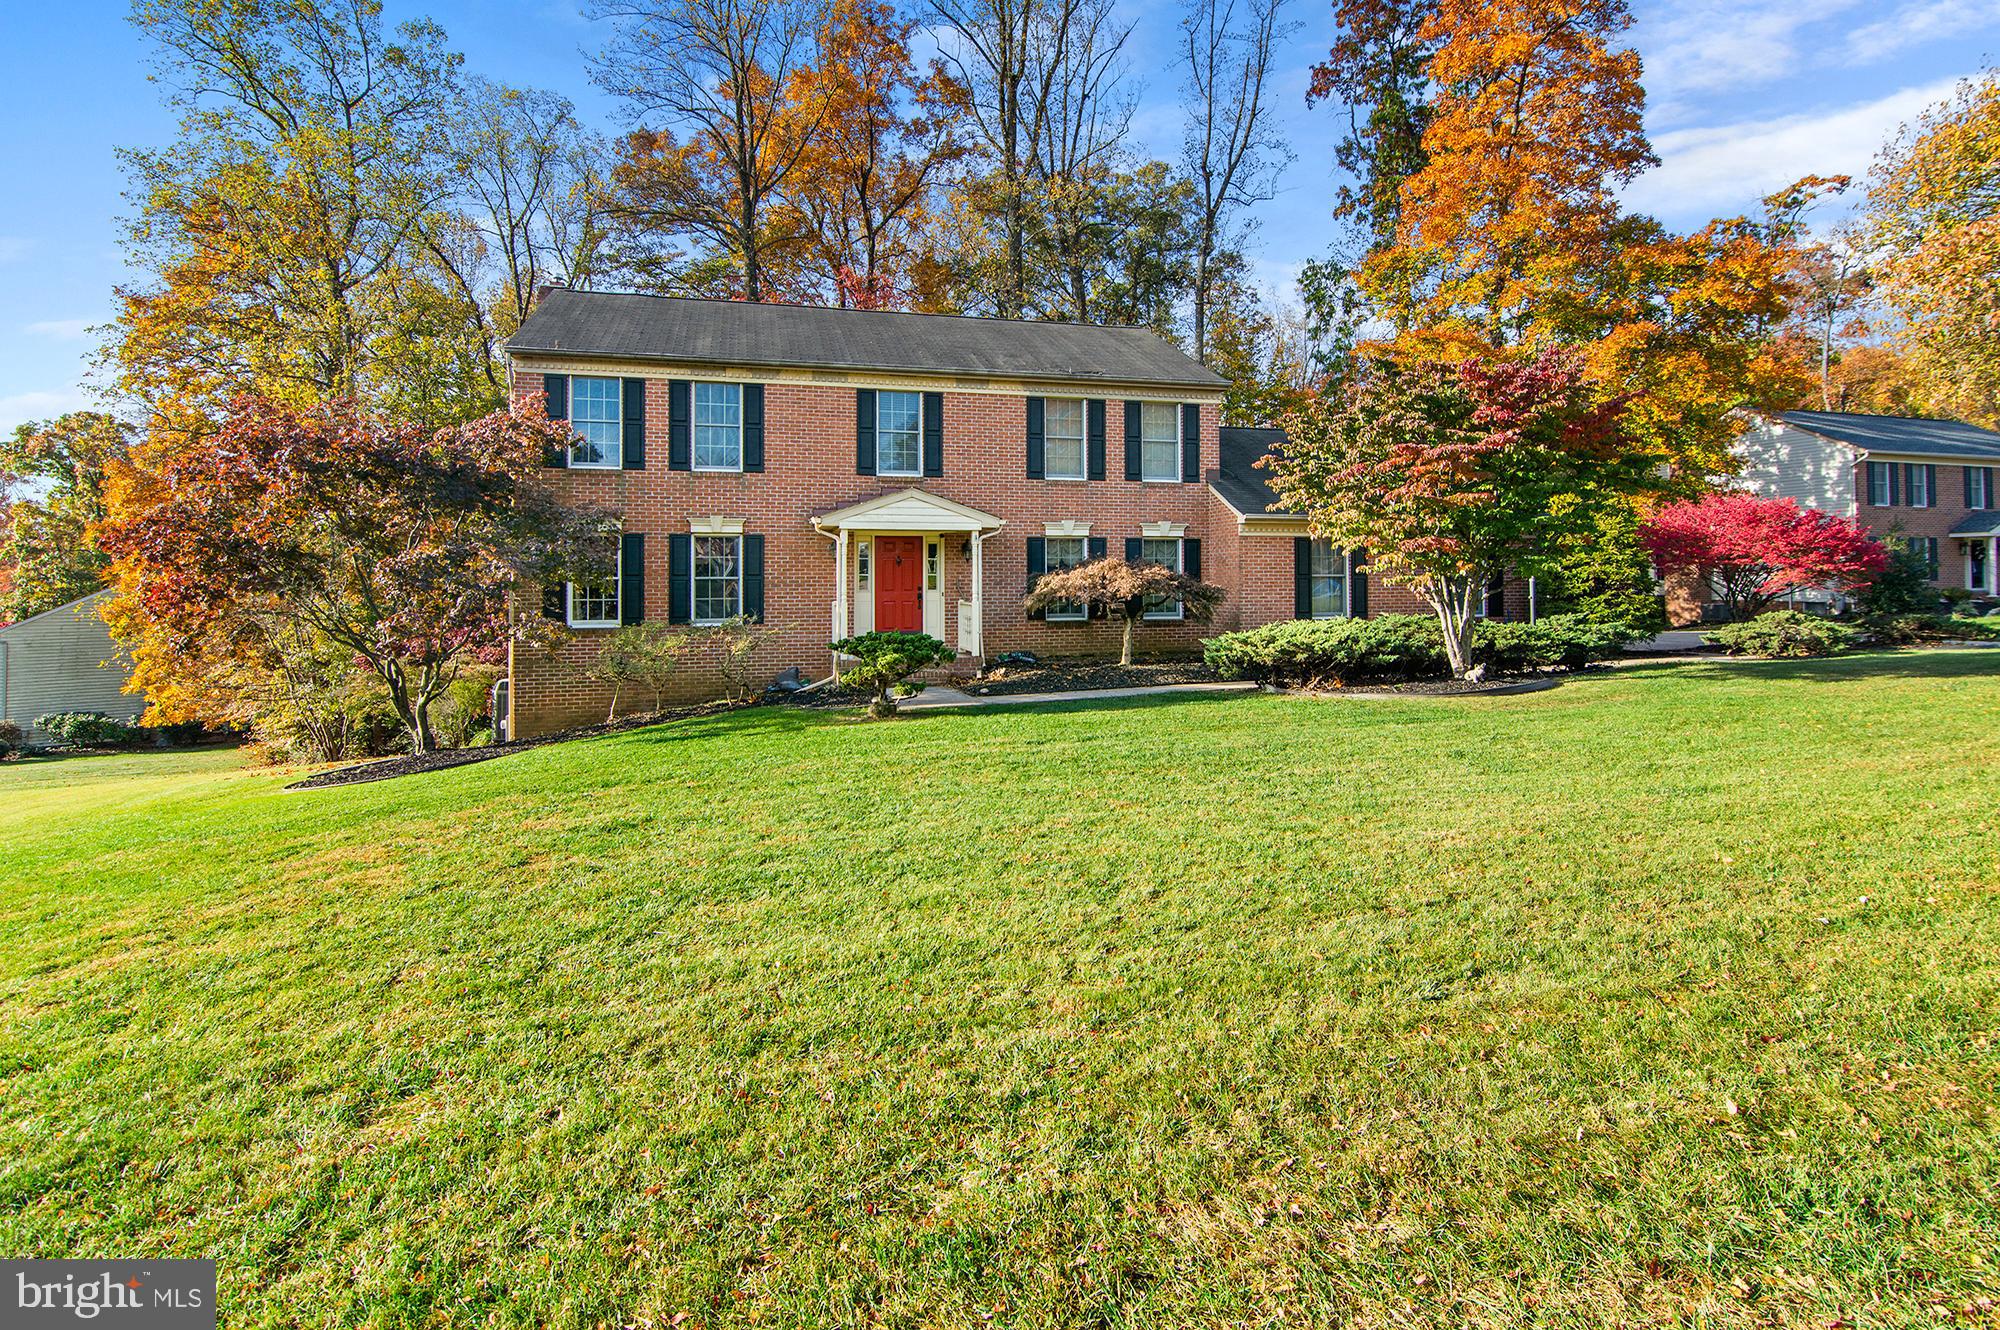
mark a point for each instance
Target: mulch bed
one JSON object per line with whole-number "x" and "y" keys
{"x": 1060, "y": 676}
{"x": 388, "y": 768}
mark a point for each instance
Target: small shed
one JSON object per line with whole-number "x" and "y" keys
{"x": 64, "y": 660}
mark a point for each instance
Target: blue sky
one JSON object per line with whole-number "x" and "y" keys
{"x": 1744, "y": 95}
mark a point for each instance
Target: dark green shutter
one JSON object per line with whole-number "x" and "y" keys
{"x": 1135, "y": 549}
{"x": 864, "y": 431}
{"x": 753, "y": 577}
{"x": 1095, "y": 412}
{"x": 1302, "y": 578}
{"x": 753, "y": 427}
{"x": 1038, "y": 563}
{"x": 555, "y": 404}
{"x": 1930, "y": 486}
{"x": 680, "y": 579}
{"x": 1095, "y": 548}
{"x": 1132, "y": 471}
{"x": 933, "y": 434}
{"x": 1357, "y": 584}
{"x": 1036, "y": 439}
{"x": 632, "y": 578}
{"x": 1495, "y": 605}
{"x": 1191, "y": 558}
{"x": 1894, "y": 476}
{"x": 680, "y": 454}
{"x": 1190, "y": 442}
{"x": 555, "y": 601}
{"x": 632, "y": 435}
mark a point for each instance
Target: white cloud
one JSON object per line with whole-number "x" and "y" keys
{"x": 1919, "y": 21}
{"x": 1718, "y": 45}
{"x": 20, "y": 408}
{"x": 1729, "y": 168}
{"x": 63, "y": 330}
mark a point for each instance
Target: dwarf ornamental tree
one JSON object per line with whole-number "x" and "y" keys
{"x": 643, "y": 655}
{"x": 1450, "y": 473}
{"x": 883, "y": 660}
{"x": 1756, "y": 550}
{"x": 1126, "y": 592}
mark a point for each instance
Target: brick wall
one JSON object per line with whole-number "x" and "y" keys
{"x": 1947, "y": 513}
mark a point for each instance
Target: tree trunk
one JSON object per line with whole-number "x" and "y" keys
{"x": 613, "y": 713}
{"x": 1125, "y": 653}
{"x": 1451, "y": 600}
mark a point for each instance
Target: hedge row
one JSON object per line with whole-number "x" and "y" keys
{"x": 1402, "y": 646}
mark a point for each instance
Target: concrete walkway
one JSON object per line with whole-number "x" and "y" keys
{"x": 936, "y": 697}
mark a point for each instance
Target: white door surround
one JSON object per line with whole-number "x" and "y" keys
{"x": 935, "y": 521}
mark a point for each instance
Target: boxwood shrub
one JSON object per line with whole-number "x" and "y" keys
{"x": 88, "y": 729}
{"x": 1785, "y": 633}
{"x": 1401, "y": 647}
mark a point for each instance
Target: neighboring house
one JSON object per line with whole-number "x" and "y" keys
{"x": 835, "y": 471}
{"x": 63, "y": 660}
{"x": 1930, "y": 481}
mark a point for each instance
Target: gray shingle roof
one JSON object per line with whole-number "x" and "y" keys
{"x": 731, "y": 332}
{"x": 1909, "y": 435}
{"x": 1978, "y": 524}
{"x": 1243, "y": 484}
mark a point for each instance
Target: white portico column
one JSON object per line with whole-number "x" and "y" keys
{"x": 978, "y": 645}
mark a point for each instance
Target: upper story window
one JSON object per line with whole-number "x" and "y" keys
{"x": 898, "y": 433}
{"x": 1328, "y": 574}
{"x": 718, "y": 427}
{"x": 1979, "y": 487}
{"x": 1165, "y": 551}
{"x": 596, "y": 417}
{"x": 1160, "y": 444}
{"x": 1881, "y": 484}
{"x": 1065, "y": 552}
{"x": 1917, "y": 485}
{"x": 1062, "y": 439}
{"x": 595, "y": 604}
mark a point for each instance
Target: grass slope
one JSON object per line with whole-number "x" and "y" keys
{"x": 1664, "y": 998}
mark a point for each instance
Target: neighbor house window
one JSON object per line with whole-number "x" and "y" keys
{"x": 1979, "y": 487}
{"x": 1928, "y": 547}
{"x": 597, "y": 419}
{"x": 718, "y": 427}
{"x": 1329, "y": 581}
{"x": 898, "y": 433}
{"x": 1167, "y": 551}
{"x": 1062, "y": 438}
{"x": 1917, "y": 481}
{"x": 1065, "y": 552}
{"x": 1160, "y": 443}
{"x": 718, "y": 581}
{"x": 1881, "y": 485}
{"x": 1975, "y": 565}
{"x": 595, "y": 604}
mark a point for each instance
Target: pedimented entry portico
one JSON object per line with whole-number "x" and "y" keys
{"x": 898, "y": 555}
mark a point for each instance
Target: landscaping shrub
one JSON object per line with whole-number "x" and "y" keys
{"x": 885, "y": 660}
{"x": 1785, "y": 633}
{"x": 1910, "y": 629}
{"x": 88, "y": 729}
{"x": 1403, "y": 646}
{"x": 10, "y": 741}
{"x": 458, "y": 717}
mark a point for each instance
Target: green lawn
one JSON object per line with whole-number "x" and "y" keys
{"x": 1665, "y": 998}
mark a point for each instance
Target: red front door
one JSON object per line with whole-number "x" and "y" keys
{"x": 899, "y": 584}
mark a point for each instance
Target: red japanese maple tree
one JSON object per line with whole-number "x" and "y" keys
{"x": 1757, "y": 550}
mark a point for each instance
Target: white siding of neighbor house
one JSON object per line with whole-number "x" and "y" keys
{"x": 1783, "y": 462}
{"x": 63, "y": 660}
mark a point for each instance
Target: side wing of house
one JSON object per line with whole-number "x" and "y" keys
{"x": 1782, "y": 461}
{"x": 63, "y": 660}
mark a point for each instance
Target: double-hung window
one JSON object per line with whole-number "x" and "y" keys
{"x": 1881, "y": 484}
{"x": 1328, "y": 574}
{"x": 718, "y": 578}
{"x": 596, "y": 417}
{"x": 898, "y": 433}
{"x": 1979, "y": 487}
{"x": 1160, "y": 443}
{"x": 1065, "y": 552}
{"x": 1928, "y": 547}
{"x": 1062, "y": 438}
{"x": 1917, "y": 480}
{"x": 595, "y": 604}
{"x": 718, "y": 427}
{"x": 1164, "y": 550}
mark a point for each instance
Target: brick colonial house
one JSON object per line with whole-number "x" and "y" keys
{"x": 1931, "y": 481}
{"x": 834, "y": 471}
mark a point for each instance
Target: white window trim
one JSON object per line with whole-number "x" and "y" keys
{"x": 1888, "y": 474}
{"x": 1079, "y": 532}
{"x": 1976, "y": 549}
{"x": 617, "y": 618}
{"x": 1910, "y": 473}
{"x": 1082, "y": 440}
{"x": 1179, "y": 610}
{"x": 694, "y": 429}
{"x": 1180, "y": 443}
{"x": 1346, "y": 580}
{"x": 918, "y": 469}
{"x": 716, "y": 526}
{"x": 694, "y": 581}
{"x": 617, "y": 462}
{"x": 864, "y": 562}
{"x": 1066, "y": 529}
{"x": 1985, "y": 496}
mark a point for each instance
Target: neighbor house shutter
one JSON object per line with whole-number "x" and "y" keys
{"x": 864, "y": 431}
{"x": 1930, "y": 486}
{"x": 555, "y": 394}
{"x": 1036, "y": 465}
{"x": 1895, "y": 486}
{"x": 753, "y": 427}
{"x": 933, "y": 434}
{"x": 680, "y": 579}
{"x": 1038, "y": 563}
{"x": 753, "y": 577}
{"x": 632, "y": 434}
{"x": 1302, "y": 582}
{"x": 1095, "y": 414}
{"x": 1191, "y": 558}
{"x": 555, "y": 601}
{"x": 632, "y": 578}
{"x": 1132, "y": 471}
{"x": 680, "y": 455}
{"x": 1357, "y": 584}
{"x": 1190, "y": 442}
